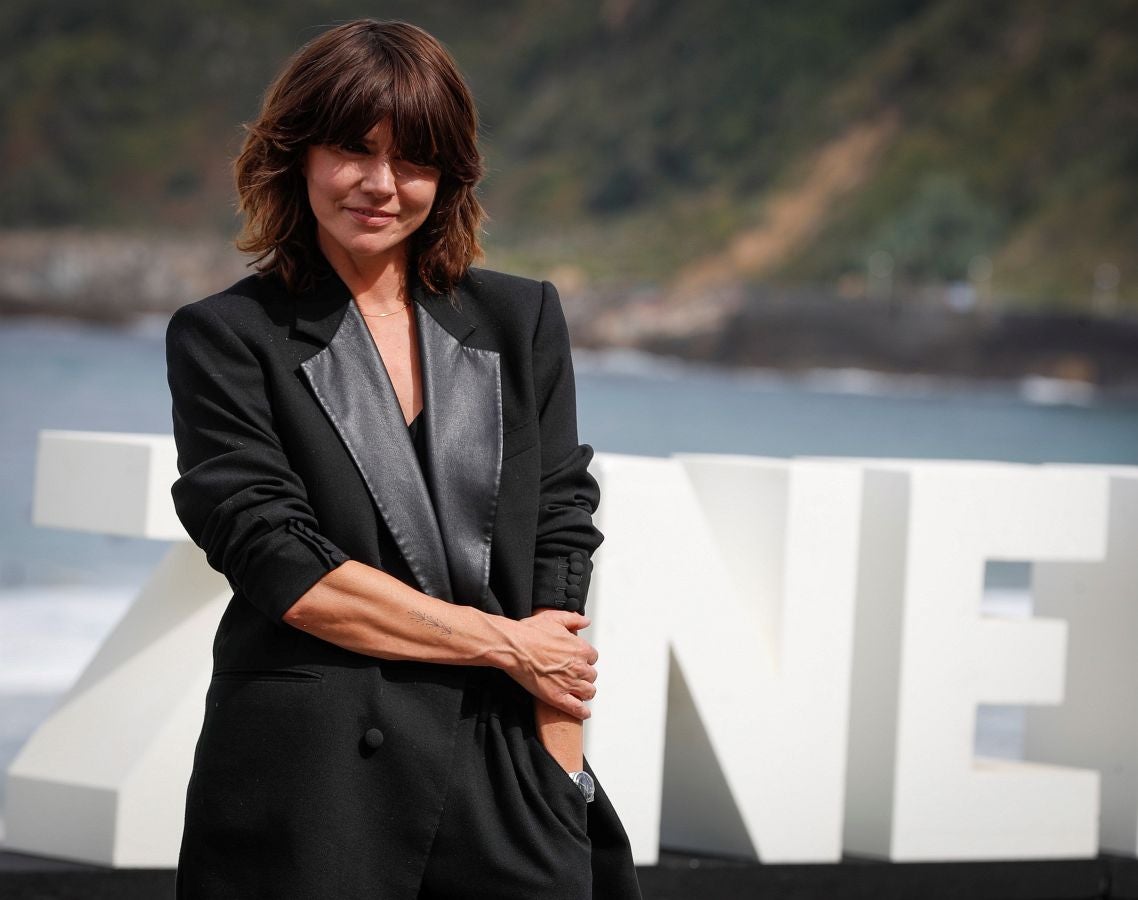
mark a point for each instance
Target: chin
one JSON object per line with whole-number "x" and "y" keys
{"x": 366, "y": 249}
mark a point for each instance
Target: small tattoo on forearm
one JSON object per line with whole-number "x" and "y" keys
{"x": 431, "y": 622}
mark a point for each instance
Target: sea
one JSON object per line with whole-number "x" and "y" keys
{"x": 62, "y": 592}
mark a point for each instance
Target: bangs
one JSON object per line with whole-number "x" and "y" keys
{"x": 383, "y": 86}
{"x": 351, "y": 108}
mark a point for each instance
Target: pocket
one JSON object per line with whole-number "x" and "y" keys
{"x": 561, "y": 790}
{"x": 291, "y": 675}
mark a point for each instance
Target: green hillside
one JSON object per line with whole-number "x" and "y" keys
{"x": 646, "y": 140}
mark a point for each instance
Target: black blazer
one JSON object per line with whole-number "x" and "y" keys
{"x": 293, "y": 457}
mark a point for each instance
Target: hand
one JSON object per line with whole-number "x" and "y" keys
{"x": 553, "y": 663}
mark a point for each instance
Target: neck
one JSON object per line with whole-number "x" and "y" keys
{"x": 378, "y": 282}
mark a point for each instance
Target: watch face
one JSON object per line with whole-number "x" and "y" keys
{"x": 584, "y": 781}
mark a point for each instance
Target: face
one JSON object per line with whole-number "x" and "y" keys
{"x": 367, "y": 200}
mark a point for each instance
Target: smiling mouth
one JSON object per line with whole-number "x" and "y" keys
{"x": 366, "y": 213}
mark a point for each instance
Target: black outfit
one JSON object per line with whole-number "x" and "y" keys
{"x": 321, "y": 773}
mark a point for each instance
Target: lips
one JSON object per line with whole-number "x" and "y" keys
{"x": 369, "y": 215}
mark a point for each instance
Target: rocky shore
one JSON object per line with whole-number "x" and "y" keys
{"x": 110, "y": 277}
{"x": 799, "y": 329}
{"x": 117, "y": 277}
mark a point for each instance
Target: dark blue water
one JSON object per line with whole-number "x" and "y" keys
{"x": 76, "y": 376}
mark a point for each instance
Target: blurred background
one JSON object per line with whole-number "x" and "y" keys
{"x": 853, "y": 227}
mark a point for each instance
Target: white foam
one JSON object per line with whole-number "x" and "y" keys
{"x": 1044, "y": 391}
{"x": 1032, "y": 389}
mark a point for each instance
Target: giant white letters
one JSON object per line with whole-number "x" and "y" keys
{"x": 925, "y": 658}
{"x": 103, "y": 780}
{"x": 743, "y": 570}
{"x": 788, "y": 647}
{"x": 1097, "y": 725}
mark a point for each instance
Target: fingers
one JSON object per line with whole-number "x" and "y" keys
{"x": 572, "y": 701}
{"x": 574, "y": 706}
{"x": 570, "y": 689}
{"x": 589, "y": 653}
{"x": 584, "y": 685}
{"x": 587, "y": 674}
{"x": 580, "y": 648}
{"x": 570, "y": 621}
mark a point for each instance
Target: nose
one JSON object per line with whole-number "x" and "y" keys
{"x": 378, "y": 176}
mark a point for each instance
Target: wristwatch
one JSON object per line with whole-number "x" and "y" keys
{"x": 584, "y": 782}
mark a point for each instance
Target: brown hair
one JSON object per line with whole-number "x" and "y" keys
{"x": 333, "y": 91}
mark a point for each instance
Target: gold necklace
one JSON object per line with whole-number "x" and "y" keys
{"x": 385, "y": 315}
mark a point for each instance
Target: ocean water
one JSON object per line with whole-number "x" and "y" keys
{"x": 61, "y": 592}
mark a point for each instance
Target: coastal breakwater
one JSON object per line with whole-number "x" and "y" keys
{"x": 116, "y": 277}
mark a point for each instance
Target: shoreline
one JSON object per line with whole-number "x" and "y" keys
{"x": 118, "y": 279}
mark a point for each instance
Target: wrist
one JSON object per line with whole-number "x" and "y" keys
{"x": 501, "y": 649}
{"x": 585, "y": 784}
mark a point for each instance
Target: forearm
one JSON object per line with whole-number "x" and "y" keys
{"x": 561, "y": 734}
{"x": 368, "y": 611}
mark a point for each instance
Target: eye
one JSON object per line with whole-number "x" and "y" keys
{"x": 356, "y": 148}
{"x": 411, "y": 165}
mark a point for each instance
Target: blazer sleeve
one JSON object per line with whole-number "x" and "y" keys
{"x": 566, "y": 536}
{"x": 237, "y": 495}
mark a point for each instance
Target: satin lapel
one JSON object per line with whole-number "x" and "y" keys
{"x": 352, "y": 385}
{"x": 462, "y": 404}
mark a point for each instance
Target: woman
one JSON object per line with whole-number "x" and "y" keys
{"x": 377, "y": 447}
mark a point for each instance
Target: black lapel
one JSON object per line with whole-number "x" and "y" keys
{"x": 462, "y": 403}
{"x": 352, "y": 385}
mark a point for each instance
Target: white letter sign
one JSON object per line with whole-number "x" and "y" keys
{"x": 925, "y": 658}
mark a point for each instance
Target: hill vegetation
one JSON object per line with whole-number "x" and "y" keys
{"x": 648, "y": 141}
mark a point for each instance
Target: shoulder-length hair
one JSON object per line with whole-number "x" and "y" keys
{"x": 333, "y": 91}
